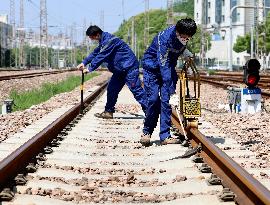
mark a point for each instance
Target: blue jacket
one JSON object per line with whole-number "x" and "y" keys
{"x": 113, "y": 51}
{"x": 162, "y": 55}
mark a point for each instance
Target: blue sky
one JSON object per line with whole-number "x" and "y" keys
{"x": 63, "y": 13}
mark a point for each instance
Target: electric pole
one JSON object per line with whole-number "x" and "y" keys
{"x": 21, "y": 36}
{"x": 72, "y": 44}
{"x": 83, "y": 32}
{"x": 102, "y": 19}
{"x": 133, "y": 34}
{"x": 204, "y": 23}
{"x": 146, "y": 23}
{"x": 13, "y": 60}
{"x": 256, "y": 27}
{"x": 123, "y": 9}
{"x": 264, "y": 36}
{"x": 135, "y": 44}
{"x": 75, "y": 44}
{"x": 170, "y": 20}
{"x": 43, "y": 54}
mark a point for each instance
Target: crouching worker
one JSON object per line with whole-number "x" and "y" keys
{"x": 160, "y": 77}
{"x": 121, "y": 62}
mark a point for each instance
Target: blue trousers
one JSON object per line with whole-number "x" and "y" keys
{"x": 117, "y": 82}
{"x": 158, "y": 103}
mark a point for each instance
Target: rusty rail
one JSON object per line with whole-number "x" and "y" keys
{"x": 17, "y": 160}
{"x": 264, "y": 82}
{"x": 248, "y": 190}
{"x": 31, "y": 75}
{"x": 224, "y": 85}
{"x": 233, "y": 74}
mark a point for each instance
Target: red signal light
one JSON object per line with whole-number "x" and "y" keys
{"x": 251, "y": 73}
{"x": 252, "y": 79}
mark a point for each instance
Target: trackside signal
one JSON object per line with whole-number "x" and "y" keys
{"x": 251, "y": 73}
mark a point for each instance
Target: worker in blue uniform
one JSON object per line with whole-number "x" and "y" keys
{"x": 121, "y": 61}
{"x": 160, "y": 77}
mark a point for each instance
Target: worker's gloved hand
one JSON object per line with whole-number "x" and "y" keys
{"x": 187, "y": 55}
{"x": 81, "y": 67}
{"x": 174, "y": 100}
{"x": 85, "y": 71}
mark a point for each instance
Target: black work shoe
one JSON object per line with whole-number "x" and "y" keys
{"x": 170, "y": 140}
{"x": 105, "y": 115}
{"x": 145, "y": 140}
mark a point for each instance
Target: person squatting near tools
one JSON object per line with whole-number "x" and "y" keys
{"x": 121, "y": 62}
{"x": 160, "y": 77}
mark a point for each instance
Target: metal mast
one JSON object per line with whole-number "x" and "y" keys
{"x": 102, "y": 19}
{"x": 21, "y": 36}
{"x": 170, "y": 20}
{"x": 13, "y": 60}
{"x": 43, "y": 57}
{"x": 146, "y": 23}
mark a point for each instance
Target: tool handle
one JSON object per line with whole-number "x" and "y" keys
{"x": 82, "y": 105}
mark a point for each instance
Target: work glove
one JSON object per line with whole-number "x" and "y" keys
{"x": 174, "y": 100}
{"x": 187, "y": 55}
{"x": 81, "y": 67}
{"x": 85, "y": 71}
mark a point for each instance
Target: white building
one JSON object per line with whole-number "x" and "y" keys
{"x": 216, "y": 14}
{"x": 56, "y": 42}
{"x": 4, "y": 18}
{"x": 5, "y": 36}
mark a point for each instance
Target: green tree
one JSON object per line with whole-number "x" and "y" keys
{"x": 157, "y": 23}
{"x": 243, "y": 42}
{"x": 185, "y": 7}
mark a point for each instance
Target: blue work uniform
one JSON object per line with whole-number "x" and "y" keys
{"x": 160, "y": 79}
{"x": 122, "y": 62}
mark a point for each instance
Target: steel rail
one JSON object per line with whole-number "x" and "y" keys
{"x": 222, "y": 85}
{"x": 233, "y": 74}
{"x": 248, "y": 190}
{"x": 31, "y": 75}
{"x": 17, "y": 160}
{"x": 263, "y": 81}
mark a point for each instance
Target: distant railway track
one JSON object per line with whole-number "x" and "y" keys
{"x": 238, "y": 74}
{"x": 32, "y": 74}
{"x": 263, "y": 83}
{"x": 220, "y": 83}
{"x": 225, "y": 80}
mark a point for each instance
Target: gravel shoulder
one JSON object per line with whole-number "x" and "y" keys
{"x": 247, "y": 129}
{"x": 16, "y": 121}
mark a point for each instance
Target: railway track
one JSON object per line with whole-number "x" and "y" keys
{"x": 91, "y": 160}
{"x": 225, "y": 85}
{"x": 31, "y": 75}
{"x": 226, "y": 80}
{"x": 263, "y": 83}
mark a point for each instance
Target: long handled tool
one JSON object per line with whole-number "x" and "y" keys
{"x": 82, "y": 105}
{"x": 181, "y": 123}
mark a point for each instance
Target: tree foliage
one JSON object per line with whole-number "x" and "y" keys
{"x": 157, "y": 23}
{"x": 243, "y": 43}
{"x": 185, "y": 7}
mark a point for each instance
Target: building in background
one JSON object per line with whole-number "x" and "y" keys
{"x": 215, "y": 16}
{"x": 60, "y": 41}
{"x": 5, "y": 37}
{"x": 60, "y": 44}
